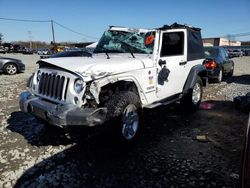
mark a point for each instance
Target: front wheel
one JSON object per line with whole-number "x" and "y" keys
{"x": 123, "y": 115}
{"x": 193, "y": 99}
{"x": 130, "y": 122}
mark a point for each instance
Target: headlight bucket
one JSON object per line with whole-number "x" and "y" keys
{"x": 38, "y": 75}
{"x": 79, "y": 86}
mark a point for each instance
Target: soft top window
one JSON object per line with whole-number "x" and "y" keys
{"x": 172, "y": 44}
{"x": 195, "y": 45}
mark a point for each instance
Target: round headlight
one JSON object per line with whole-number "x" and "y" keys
{"x": 78, "y": 86}
{"x": 38, "y": 75}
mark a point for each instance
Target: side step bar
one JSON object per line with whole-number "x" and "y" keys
{"x": 165, "y": 101}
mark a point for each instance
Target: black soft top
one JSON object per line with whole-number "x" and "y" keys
{"x": 195, "y": 45}
{"x": 178, "y": 26}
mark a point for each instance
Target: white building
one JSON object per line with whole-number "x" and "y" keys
{"x": 220, "y": 42}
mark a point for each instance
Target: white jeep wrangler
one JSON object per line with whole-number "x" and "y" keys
{"x": 130, "y": 69}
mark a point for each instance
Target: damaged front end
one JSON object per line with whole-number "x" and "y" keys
{"x": 61, "y": 115}
{"x": 62, "y": 98}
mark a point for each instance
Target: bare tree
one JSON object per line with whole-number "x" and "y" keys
{"x": 1, "y": 38}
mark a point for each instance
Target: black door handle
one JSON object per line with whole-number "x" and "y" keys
{"x": 161, "y": 62}
{"x": 183, "y": 63}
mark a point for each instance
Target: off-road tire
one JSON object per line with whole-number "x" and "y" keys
{"x": 10, "y": 68}
{"x": 189, "y": 101}
{"x": 116, "y": 106}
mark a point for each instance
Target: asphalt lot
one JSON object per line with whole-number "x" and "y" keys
{"x": 167, "y": 153}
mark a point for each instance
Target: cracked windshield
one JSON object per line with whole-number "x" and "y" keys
{"x": 126, "y": 42}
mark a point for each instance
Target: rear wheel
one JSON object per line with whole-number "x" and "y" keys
{"x": 193, "y": 99}
{"x": 10, "y": 69}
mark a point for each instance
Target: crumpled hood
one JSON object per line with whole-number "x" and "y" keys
{"x": 100, "y": 66}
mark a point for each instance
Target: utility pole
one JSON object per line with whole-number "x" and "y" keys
{"x": 30, "y": 38}
{"x": 53, "y": 34}
{"x": 229, "y": 39}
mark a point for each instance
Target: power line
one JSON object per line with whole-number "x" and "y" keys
{"x": 241, "y": 34}
{"x": 238, "y": 35}
{"x": 65, "y": 27}
{"x": 23, "y": 20}
{"x": 46, "y": 21}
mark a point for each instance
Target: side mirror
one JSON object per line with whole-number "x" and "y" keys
{"x": 161, "y": 62}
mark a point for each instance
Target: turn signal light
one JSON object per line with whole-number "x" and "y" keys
{"x": 211, "y": 64}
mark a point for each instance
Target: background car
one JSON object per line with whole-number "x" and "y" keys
{"x": 236, "y": 53}
{"x": 43, "y": 51}
{"x": 247, "y": 52}
{"x": 218, "y": 63}
{"x": 11, "y": 66}
{"x": 73, "y": 53}
{"x": 2, "y": 50}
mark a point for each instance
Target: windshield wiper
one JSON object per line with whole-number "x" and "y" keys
{"x": 129, "y": 47}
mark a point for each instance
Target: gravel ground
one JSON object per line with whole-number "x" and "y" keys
{"x": 237, "y": 85}
{"x": 167, "y": 154}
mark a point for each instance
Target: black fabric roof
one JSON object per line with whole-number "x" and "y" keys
{"x": 178, "y": 26}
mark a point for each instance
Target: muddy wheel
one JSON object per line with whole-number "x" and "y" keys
{"x": 123, "y": 115}
{"x": 10, "y": 69}
{"x": 193, "y": 99}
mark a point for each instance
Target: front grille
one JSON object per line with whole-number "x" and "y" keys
{"x": 53, "y": 86}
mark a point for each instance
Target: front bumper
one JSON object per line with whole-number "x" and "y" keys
{"x": 61, "y": 115}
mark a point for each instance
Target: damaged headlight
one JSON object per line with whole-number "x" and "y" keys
{"x": 79, "y": 85}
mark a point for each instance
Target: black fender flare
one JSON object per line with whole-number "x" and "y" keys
{"x": 197, "y": 70}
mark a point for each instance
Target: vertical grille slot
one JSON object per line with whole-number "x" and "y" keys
{"x": 53, "y": 86}
{"x": 40, "y": 88}
{"x": 60, "y": 87}
{"x": 50, "y": 86}
{"x": 66, "y": 88}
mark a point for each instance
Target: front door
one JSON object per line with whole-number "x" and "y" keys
{"x": 171, "y": 63}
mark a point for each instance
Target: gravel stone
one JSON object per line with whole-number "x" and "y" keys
{"x": 155, "y": 170}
